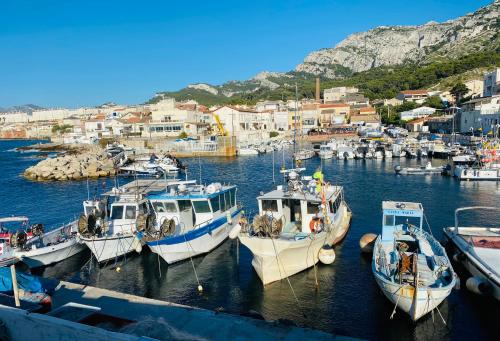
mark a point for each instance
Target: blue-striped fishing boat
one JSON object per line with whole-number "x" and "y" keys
{"x": 193, "y": 219}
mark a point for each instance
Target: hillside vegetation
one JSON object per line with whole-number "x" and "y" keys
{"x": 377, "y": 83}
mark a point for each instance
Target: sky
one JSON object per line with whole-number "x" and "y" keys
{"x": 75, "y": 53}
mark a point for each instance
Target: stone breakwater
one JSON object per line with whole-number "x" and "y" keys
{"x": 91, "y": 162}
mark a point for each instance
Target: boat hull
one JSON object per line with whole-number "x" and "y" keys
{"x": 276, "y": 259}
{"x": 51, "y": 254}
{"x": 195, "y": 242}
{"x": 416, "y": 303}
{"x": 473, "y": 264}
{"x": 106, "y": 248}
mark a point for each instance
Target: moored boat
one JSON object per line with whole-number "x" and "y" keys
{"x": 478, "y": 249}
{"x": 296, "y": 227}
{"x": 193, "y": 219}
{"x": 428, "y": 169}
{"x": 50, "y": 247}
{"x": 110, "y": 236}
{"x": 410, "y": 266}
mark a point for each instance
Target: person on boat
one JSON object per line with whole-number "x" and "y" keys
{"x": 153, "y": 157}
{"x": 318, "y": 176}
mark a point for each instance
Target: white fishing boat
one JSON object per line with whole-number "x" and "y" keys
{"x": 478, "y": 249}
{"x": 410, "y": 266}
{"x": 345, "y": 152}
{"x": 110, "y": 232}
{"x": 141, "y": 169}
{"x": 247, "y": 151}
{"x": 193, "y": 219}
{"x": 50, "y": 247}
{"x": 428, "y": 169}
{"x": 304, "y": 154}
{"x": 296, "y": 226}
{"x": 14, "y": 231}
{"x": 387, "y": 154}
{"x": 325, "y": 152}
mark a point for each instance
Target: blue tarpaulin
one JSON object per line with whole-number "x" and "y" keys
{"x": 26, "y": 282}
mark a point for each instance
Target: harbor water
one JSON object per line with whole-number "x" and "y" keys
{"x": 347, "y": 301}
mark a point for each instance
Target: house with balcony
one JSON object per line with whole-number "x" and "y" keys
{"x": 333, "y": 114}
{"x": 417, "y": 96}
{"x": 480, "y": 114}
{"x": 491, "y": 83}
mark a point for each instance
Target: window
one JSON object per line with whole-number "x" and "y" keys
{"x": 184, "y": 205}
{"x": 170, "y": 207}
{"x": 158, "y": 207}
{"x": 159, "y": 129}
{"x": 233, "y": 196}
{"x": 201, "y": 206}
{"x": 215, "y": 203}
{"x": 389, "y": 220}
{"x": 130, "y": 212}
{"x": 117, "y": 212}
{"x": 270, "y": 205}
{"x": 312, "y": 208}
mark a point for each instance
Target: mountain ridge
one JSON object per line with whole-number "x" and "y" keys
{"x": 382, "y": 46}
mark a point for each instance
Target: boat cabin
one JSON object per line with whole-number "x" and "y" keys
{"x": 398, "y": 218}
{"x": 190, "y": 205}
{"x": 10, "y": 225}
{"x": 297, "y": 209}
{"x": 122, "y": 213}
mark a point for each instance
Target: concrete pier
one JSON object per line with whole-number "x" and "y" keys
{"x": 164, "y": 320}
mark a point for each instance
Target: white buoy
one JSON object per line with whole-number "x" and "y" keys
{"x": 326, "y": 255}
{"x": 367, "y": 241}
{"x": 235, "y": 231}
{"x": 118, "y": 269}
{"x": 477, "y": 285}
{"x": 200, "y": 288}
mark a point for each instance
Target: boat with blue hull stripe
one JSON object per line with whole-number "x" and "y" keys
{"x": 194, "y": 234}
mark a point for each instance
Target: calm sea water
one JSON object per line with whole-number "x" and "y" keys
{"x": 347, "y": 302}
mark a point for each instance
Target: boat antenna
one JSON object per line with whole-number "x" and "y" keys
{"x": 199, "y": 165}
{"x": 273, "y": 168}
{"x": 88, "y": 189}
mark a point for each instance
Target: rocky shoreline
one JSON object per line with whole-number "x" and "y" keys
{"x": 79, "y": 163}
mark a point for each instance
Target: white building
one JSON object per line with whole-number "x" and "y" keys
{"x": 13, "y": 117}
{"x": 338, "y": 94}
{"x": 281, "y": 120}
{"x": 480, "y": 114}
{"x": 491, "y": 86}
{"x": 416, "y": 113}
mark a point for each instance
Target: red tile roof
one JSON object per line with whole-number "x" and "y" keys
{"x": 334, "y": 105}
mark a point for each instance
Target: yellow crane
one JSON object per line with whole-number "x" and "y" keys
{"x": 220, "y": 126}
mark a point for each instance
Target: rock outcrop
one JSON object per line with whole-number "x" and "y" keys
{"x": 91, "y": 162}
{"x": 395, "y": 45}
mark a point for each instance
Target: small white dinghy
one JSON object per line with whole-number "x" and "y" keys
{"x": 51, "y": 247}
{"x": 428, "y": 169}
{"x": 410, "y": 266}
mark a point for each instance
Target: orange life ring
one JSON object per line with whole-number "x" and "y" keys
{"x": 314, "y": 225}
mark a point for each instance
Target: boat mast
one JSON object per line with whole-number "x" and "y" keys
{"x": 295, "y": 128}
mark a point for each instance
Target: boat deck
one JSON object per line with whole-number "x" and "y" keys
{"x": 142, "y": 186}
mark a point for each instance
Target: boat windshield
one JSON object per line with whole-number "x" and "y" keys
{"x": 117, "y": 212}
{"x": 201, "y": 206}
{"x": 130, "y": 212}
{"x": 391, "y": 220}
{"x": 269, "y": 206}
{"x": 165, "y": 207}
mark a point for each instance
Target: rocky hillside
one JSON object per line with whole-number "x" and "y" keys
{"x": 377, "y": 48}
{"x": 396, "y": 45}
